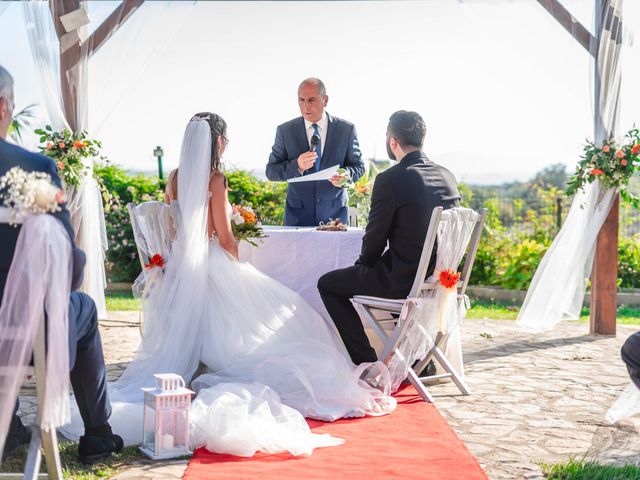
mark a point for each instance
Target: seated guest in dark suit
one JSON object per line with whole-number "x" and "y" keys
{"x": 88, "y": 372}
{"x": 401, "y": 204}
{"x": 293, "y": 155}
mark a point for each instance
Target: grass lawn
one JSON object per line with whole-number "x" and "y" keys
{"x": 124, "y": 301}
{"x": 73, "y": 469}
{"x": 121, "y": 301}
{"x": 589, "y": 470}
{"x": 509, "y": 311}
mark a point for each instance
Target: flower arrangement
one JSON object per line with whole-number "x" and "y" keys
{"x": 448, "y": 279}
{"x": 612, "y": 164}
{"x": 68, "y": 149}
{"x": 245, "y": 224}
{"x": 29, "y": 192}
{"x": 360, "y": 197}
{"x": 155, "y": 261}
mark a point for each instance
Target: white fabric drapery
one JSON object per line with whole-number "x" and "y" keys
{"x": 149, "y": 32}
{"x": 437, "y": 310}
{"x": 39, "y": 281}
{"x": 557, "y": 290}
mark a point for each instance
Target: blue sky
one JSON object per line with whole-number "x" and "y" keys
{"x": 504, "y": 90}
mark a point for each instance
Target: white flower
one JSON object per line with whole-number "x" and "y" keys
{"x": 29, "y": 192}
{"x": 44, "y": 193}
{"x": 237, "y": 218}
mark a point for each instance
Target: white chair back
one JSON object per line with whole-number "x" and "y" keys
{"x": 153, "y": 229}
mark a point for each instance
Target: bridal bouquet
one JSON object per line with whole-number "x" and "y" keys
{"x": 612, "y": 164}
{"x": 29, "y": 192}
{"x": 246, "y": 225}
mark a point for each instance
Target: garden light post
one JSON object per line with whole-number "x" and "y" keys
{"x": 158, "y": 152}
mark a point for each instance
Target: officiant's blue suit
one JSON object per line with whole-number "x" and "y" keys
{"x": 309, "y": 203}
{"x": 88, "y": 373}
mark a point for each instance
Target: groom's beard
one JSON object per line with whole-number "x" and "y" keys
{"x": 389, "y": 152}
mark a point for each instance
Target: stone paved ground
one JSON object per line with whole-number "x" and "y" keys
{"x": 536, "y": 398}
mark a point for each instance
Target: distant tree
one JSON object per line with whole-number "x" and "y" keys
{"x": 21, "y": 121}
{"x": 552, "y": 176}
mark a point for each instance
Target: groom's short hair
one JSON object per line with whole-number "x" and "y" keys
{"x": 408, "y": 128}
{"x": 6, "y": 84}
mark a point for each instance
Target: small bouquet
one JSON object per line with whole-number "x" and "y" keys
{"x": 29, "y": 193}
{"x": 246, "y": 225}
{"x": 345, "y": 181}
{"x": 612, "y": 164}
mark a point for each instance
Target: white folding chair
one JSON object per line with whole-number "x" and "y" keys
{"x": 153, "y": 226}
{"x": 353, "y": 216}
{"x": 370, "y": 309}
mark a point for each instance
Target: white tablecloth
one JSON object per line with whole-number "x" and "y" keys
{"x": 299, "y": 256}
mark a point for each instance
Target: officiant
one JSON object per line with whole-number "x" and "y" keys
{"x": 308, "y": 144}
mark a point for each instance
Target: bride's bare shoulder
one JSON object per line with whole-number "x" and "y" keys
{"x": 217, "y": 182}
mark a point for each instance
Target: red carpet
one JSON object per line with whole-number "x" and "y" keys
{"x": 414, "y": 442}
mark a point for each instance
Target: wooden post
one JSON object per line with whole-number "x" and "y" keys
{"x": 604, "y": 277}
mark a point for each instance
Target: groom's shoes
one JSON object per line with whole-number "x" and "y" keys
{"x": 18, "y": 435}
{"x": 98, "y": 443}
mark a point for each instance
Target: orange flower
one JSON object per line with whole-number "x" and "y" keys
{"x": 61, "y": 145}
{"x": 248, "y": 216}
{"x": 635, "y": 149}
{"x": 156, "y": 261}
{"x": 449, "y": 279}
{"x": 623, "y": 162}
{"x": 49, "y": 145}
{"x": 596, "y": 171}
{"x": 60, "y": 165}
{"x": 605, "y": 149}
{"x": 362, "y": 188}
{"x": 619, "y": 154}
{"x": 79, "y": 144}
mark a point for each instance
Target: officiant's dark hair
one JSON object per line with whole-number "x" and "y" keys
{"x": 408, "y": 128}
{"x": 218, "y": 129}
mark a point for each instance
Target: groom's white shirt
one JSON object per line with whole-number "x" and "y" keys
{"x": 322, "y": 128}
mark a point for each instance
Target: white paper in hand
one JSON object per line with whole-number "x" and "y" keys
{"x": 325, "y": 174}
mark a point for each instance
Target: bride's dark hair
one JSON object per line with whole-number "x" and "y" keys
{"x": 218, "y": 130}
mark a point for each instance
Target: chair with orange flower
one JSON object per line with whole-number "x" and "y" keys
{"x": 153, "y": 230}
{"x": 425, "y": 325}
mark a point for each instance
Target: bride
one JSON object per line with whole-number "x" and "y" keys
{"x": 271, "y": 358}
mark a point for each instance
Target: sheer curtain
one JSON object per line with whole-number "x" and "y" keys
{"x": 559, "y": 284}
{"x": 40, "y": 274}
{"x": 85, "y": 201}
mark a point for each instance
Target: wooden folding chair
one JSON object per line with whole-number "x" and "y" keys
{"x": 370, "y": 309}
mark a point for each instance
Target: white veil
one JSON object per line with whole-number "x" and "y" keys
{"x": 175, "y": 307}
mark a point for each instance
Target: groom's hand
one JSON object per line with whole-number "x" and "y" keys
{"x": 306, "y": 161}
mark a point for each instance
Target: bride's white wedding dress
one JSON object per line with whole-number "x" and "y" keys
{"x": 272, "y": 358}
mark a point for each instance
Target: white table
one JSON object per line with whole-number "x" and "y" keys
{"x": 298, "y": 256}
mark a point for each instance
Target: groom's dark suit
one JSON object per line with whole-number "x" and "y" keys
{"x": 309, "y": 203}
{"x": 86, "y": 362}
{"x": 401, "y": 204}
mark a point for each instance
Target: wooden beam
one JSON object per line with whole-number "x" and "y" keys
{"x": 604, "y": 277}
{"x": 571, "y": 25}
{"x": 111, "y": 24}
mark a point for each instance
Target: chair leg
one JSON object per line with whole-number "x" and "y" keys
{"x": 419, "y": 386}
{"x": 52, "y": 454}
{"x": 34, "y": 456}
{"x": 442, "y": 360}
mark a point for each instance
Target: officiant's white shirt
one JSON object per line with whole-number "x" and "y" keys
{"x": 322, "y": 128}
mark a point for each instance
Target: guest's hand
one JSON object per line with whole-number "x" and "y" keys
{"x": 306, "y": 160}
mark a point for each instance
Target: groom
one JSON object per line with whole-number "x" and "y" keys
{"x": 401, "y": 204}
{"x": 86, "y": 362}
{"x": 294, "y": 155}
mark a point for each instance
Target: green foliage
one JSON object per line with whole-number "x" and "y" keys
{"x": 516, "y": 269}
{"x": 629, "y": 262}
{"x": 267, "y": 197}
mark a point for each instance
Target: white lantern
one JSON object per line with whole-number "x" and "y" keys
{"x": 166, "y": 418}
